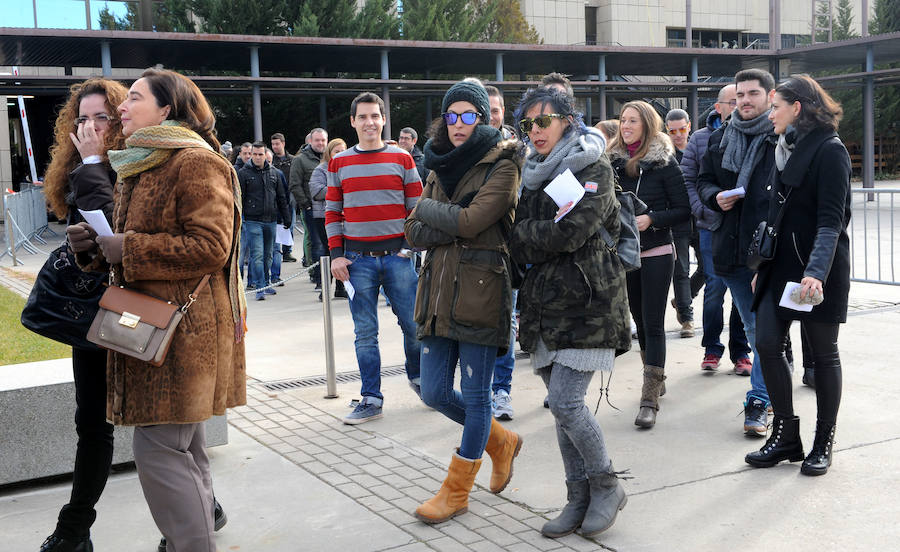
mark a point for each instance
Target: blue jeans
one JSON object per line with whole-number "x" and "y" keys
{"x": 738, "y": 283}
{"x": 260, "y": 242}
{"x": 503, "y": 366}
{"x": 244, "y": 251}
{"x": 276, "y": 262}
{"x": 398, "y": 276}
{"x": 470, "y": 408}
{"x": 713, "y": 320}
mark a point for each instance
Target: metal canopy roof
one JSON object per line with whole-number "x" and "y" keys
{"x": 208, "y": 54}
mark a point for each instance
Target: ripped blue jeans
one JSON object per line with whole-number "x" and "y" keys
{"x": 470, "y": 408}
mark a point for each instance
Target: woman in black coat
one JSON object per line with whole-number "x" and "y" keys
{"x": 79, "y": 177}
{"x": 811, "y": 184}
{"x": 644, "y": 160}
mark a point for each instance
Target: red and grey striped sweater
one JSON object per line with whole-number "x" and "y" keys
{"x": 369, "y": 195}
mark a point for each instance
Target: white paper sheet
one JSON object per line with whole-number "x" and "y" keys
{"x": 789, "y": 303}
{"x": 563, "y": 189}
{"x": 348, "y": 287}
{"x": 283, "y": 236}
{"x": 735, "y": 192}
{"x": 98, "y": 222}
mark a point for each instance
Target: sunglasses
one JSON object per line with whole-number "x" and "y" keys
{"x": 99, "y": 119}
{"x": 542, "y": 121}
{"x": 468, "y": 118}
{"x": 674, "y": 131}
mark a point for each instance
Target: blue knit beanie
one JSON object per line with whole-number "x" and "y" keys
{"x": 472, "y": 92}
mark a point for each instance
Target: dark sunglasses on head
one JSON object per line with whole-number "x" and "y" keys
{"x": 542, "y": 121}
{"x": 674, "y": 131}
{"x": 468, "y": 118}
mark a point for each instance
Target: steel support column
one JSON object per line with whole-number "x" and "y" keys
{"x": 428, "y": 109}
{"x": 498, "y": 67}
{"x": 105, "y": 59}
{"x": 257, "y": 98}
{"x": 688, "y": 28}
{"x": 868, "y": 164}
{"x": 601, "y": 75}
{"x": 588, "y": 111}
{"x": 386, "y": 95}
{"x": 692, "y": 97}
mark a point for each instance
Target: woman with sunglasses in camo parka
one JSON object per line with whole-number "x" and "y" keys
{"x": 573, "y": 306}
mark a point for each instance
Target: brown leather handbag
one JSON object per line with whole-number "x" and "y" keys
{"x": 138, "y": 325}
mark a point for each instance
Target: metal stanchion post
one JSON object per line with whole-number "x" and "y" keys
{"x": 330, "y": 381}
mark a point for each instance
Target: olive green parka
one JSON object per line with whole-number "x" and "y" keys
{"x": 464, "y": 291}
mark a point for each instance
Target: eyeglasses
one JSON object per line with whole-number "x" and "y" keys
{"x": 732, "y": 103}
{"x": 674, "y": 131}
{"x": 468, "y": 118}
{"x": 542, "y": 121}
{"x": 99, "y": 119}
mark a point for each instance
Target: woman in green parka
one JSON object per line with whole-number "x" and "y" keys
{"x": 463, "y": 299}
{"x": 573, "y": 304}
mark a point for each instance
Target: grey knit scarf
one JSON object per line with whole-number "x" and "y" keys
{"x": 575, "y": 151}
{"x": 740, "y": 157}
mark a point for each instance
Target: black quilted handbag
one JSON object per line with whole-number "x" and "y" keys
{"x": 64, "y": 300}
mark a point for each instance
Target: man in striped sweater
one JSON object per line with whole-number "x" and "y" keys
{"x": 371, "y": 189}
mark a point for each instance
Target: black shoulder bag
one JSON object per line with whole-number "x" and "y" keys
{"x": 64, "y": 300}
{"x": 764, "y": 240}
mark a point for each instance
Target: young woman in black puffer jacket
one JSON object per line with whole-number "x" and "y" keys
{"x": 644, "y": 161}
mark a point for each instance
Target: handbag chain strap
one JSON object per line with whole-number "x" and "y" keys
{"x": 773, "y": 229}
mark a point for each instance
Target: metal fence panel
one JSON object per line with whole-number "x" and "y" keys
{"x": 873, "y": 250}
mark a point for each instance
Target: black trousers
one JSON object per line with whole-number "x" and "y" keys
{"x": 93, "y": 454}
{"x": 821, "y": 338}
{"x": 648, "y": 289}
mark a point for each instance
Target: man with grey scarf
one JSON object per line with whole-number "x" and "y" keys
{"x": 734, "y": 180}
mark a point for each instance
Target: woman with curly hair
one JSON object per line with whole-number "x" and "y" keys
{"x": 79, "y": 177}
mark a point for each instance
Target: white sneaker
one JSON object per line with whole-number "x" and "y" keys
{"x": 501, "y": 405}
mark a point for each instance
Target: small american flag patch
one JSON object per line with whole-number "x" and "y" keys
{"x": 590, "y": 187}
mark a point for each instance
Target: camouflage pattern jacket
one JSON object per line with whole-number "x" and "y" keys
{"x": 573, "y": 295}
{"x": 464, "y": 291}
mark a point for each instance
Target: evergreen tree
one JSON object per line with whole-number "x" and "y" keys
{"x": 250, "y": 17}
{"x": 886, "y": 17}
{"x": 822, "y": 17}
{"x": 843, "y": 23}
{"x": 327, "y": 18}
{"x": 377, "y": 19}
{"x": 173, "y": 16}
{"x": 447, "y": 20}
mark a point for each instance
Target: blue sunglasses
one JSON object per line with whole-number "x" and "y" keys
{"x": 468, "y": 118}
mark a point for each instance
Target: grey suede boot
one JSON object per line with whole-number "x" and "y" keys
{"x": 654, "y": 378}
{"x": 579, "y": 497}
{"x": 607, "y": 499}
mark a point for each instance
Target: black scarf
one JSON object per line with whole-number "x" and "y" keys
{"x": 451, "y": 165}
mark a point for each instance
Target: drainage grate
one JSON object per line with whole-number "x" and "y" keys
{"x": 314, "y": 381}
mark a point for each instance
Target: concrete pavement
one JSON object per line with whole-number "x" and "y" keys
{"x": 294, "y": 478}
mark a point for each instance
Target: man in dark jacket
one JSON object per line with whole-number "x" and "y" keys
{"x": 684, "y": 236}
{"x": 708, "y": 220}
{"x": 302, "y": 167}
{"x": 263, "y": 201}
{"x": 734, "y": 180}
{"x": 407, "y": 140}
{"x": 243, "y": 156}
{"x": 281, "y": 160}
